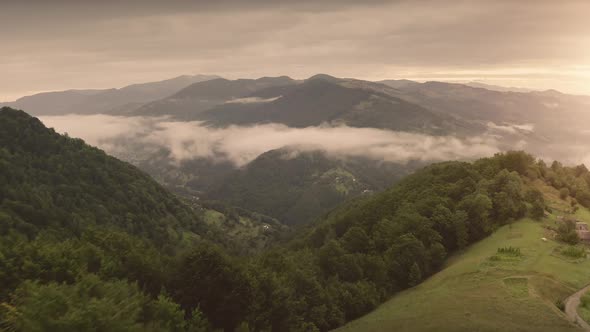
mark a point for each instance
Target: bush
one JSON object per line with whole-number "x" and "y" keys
{"x": 566, "y": 232}
{"x": 89, "y": 304}
{"x": 560, "y": 305}
{"x": 574, "y": 252}
{"x": 564, "y": 193}
{"x": 511, "y": 251}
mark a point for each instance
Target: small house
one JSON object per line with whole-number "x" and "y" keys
{"x": 583, "y": 231}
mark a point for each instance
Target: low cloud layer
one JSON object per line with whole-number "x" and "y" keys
{"x": 251, "y": 100}
{"x": 511, "y": 128}
{"x": 240, "y": 145}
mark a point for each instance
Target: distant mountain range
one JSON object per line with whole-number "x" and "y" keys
{"x": 321, "y": 99}
{"x": 102, "y": 101}
{"x": 201, "y": 96}
{"x": 494, "y": 87}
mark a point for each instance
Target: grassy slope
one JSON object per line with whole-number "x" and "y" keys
{"x": 474, "y": 293}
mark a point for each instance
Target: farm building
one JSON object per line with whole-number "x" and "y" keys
{"x": 583, "y": 231}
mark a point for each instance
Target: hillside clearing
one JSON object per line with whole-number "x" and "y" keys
{"x": 476, "y": 293}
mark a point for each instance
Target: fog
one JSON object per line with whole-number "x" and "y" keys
{"x": 240, "y": 145}
{"x": 512, "y": 128}
{"x": 251, "y": 100}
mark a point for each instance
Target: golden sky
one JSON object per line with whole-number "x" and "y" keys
{"x": 61, "y": 44}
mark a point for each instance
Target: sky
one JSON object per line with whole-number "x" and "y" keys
{"x": 63, "y": 44}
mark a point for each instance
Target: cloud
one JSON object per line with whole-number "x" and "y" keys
{"x": 251, "y": 100}
{"x": 511, "y": 128}
{"x": 240, "y": 145}
{"x": 77, "y": 44}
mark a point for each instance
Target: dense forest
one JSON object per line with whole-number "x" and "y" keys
{"x": 296, "y": 187}
{"x": 91, "y": 243}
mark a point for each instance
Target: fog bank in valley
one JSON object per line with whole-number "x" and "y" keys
{"x": 240, "y": 145}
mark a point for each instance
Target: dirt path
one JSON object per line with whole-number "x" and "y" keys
{"x": 571, "y": 308}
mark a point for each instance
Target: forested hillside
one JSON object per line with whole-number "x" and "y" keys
{"x": 56, "y": 182}
{"x": 298, "y": 187}
{"x": 92, "y": 235}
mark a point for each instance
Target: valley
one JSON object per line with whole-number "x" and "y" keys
{"x": 326, "y": 203}
{"x": 330, "y": 224}
{"x": 294, "y": 166}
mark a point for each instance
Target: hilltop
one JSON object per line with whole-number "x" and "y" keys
{"x": 480, "y": 286}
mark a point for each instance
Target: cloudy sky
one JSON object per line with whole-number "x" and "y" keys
{"x": 61, "y": 44}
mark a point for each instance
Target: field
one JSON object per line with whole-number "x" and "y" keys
{"x": 482, "y": 289}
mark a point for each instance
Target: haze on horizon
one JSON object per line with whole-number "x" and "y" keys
{"x": 64, "y": 44}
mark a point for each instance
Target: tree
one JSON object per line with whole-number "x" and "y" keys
{"x": 564, "y": 193}
{"x": 329, "y": 256}
{"x": 384, "y": 233}
{"x": 437, "y": 254}
{"x": 443, "y": 223}
{"x": 507, "y": 198}
{"x": 415, "y": 275}
{"x": 355, "y": 240}
{"x": 460, "y": 227}
{"x": 478, "y": 207}
{"x": 88, "y": 305}
{"x": 210, "y": 280}
{"x": 198, "y": 322}
{"x": 166, "y": 315}
{"x": 566, "y": 232}
{"x": 406, "y": 251}
{"x": 583, "y": 197}
{"x": 537, "y": 210}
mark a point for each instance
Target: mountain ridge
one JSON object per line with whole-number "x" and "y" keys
{"x": 101, "y": 100}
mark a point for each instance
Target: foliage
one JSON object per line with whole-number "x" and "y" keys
{"x": 564, "y": 193}
{"x": 86, "y": 241}
{"x": 209, "y": 280}
{"x": 509, "y": 251}
{"x": 470, "y": 294}
{"x": 566, "y": 232}
{"x": 90, "y": 304}
{"x": 297, "y": 187}
{"x": 574, "y": 252}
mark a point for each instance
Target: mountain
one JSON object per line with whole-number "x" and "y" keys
{"x": 52, "y": 103}
{"x": 293, "y": 187}
{"x": 297, "y": 187}
{"x": 535, "y": 283}
{"x": 366, "y": 250}
{"x": 51, "y": 181}
{"x": 201, "y": 96}
{"x": 398, "y": 84}
{"x": 547, "y": 123}
{"x": 103, "y": 101}
{"x": 481, "y": 104}
{"x": 67, "y": 208}
{"x": 327, "y": 100}
{"x": 493, "y": 87}
{"x": 465, "y": 295}
{"x": 57, "y": 186}
{"x": 81, "y": 228}
{"x": 321, "y": 99}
